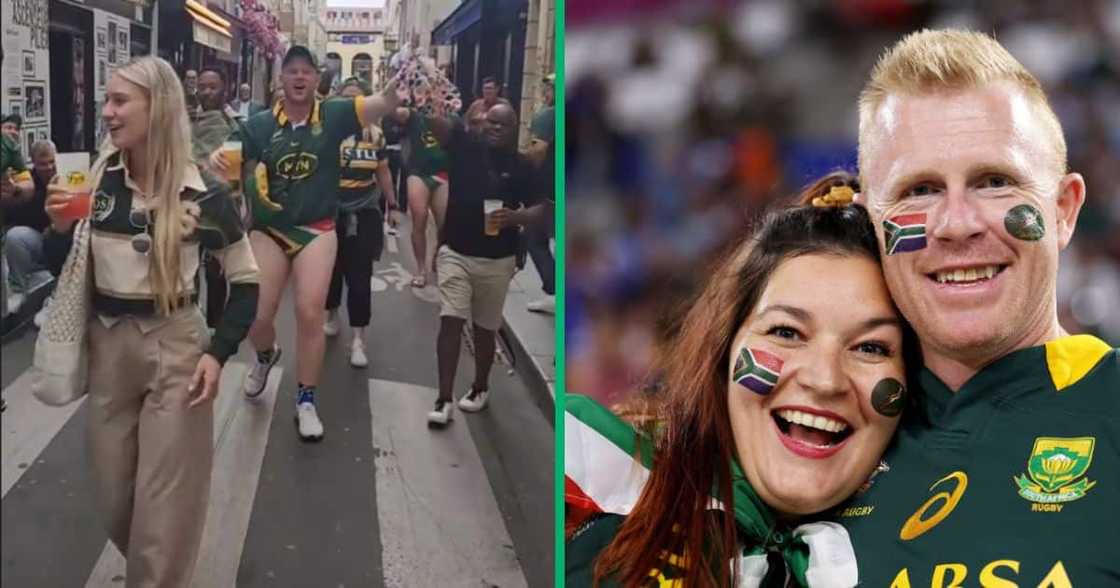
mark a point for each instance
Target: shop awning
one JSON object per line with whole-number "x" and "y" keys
{"x": 210, "y": 29}
{"x": 461, "y": 19}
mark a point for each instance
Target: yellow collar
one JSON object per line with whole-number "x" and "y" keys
{"x": 282, "y": 117}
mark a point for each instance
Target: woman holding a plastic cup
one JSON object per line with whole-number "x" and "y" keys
{"x": 153, "y": 366}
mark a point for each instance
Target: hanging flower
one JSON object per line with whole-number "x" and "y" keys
{"x": 262, "y": 28}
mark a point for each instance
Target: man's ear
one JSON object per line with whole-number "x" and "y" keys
{"x": 1071, "y": 196}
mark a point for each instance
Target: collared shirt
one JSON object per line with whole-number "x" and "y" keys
{"x": 361, "y": 155}
{"x": 122, "y": 280}
{"x": 301, "y": 161}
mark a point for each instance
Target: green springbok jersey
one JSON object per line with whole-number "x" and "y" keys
{"x": 1014, "y": 480}
{"x": 298, "y": 184}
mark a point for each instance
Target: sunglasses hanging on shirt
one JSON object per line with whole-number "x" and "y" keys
{"x": 141, "y": 218}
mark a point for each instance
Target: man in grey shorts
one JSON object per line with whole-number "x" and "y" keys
{"x": 475, "y": 266}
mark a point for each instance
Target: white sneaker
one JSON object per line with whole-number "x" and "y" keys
{"x": 331, "y": 326}
{"x": 358, "y": 357}
{"x": 546, "y": 305}
{"x": 41, "y": 316}
{"x": 15, "y": 300}
{"x": 441, "y": 414}
{"x": 474, "y": 401}
{"x": 257, "y": 377}
{"x": 307, "y": 422}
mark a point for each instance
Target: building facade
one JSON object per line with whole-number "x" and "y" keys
{"x": 355, "y": 42}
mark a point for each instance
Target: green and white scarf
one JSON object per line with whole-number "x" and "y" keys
{"x": 607, "y": 462}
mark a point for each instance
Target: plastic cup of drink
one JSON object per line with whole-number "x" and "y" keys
{"x": 232, "y": 152}
{"x": 490, "y": 205}
{"x": 79, "y": 205}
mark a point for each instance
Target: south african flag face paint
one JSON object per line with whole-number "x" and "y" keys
{"x": 757, "y": 370}
{"x": 905, "y": 232}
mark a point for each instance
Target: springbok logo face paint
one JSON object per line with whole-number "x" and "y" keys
{"x": 757, "y": 370}
{"x": 905, "y": 232}
{"x": 1024, "y": 222}
{"x": 888, "y": 397}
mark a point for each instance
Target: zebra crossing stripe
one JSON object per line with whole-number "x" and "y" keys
{"x": 28, "y": 427}
{"x": 434, "y": 497}
{"x": 241, "y": 430}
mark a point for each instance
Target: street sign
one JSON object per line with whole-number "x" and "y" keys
{"x": 357, "y": 39}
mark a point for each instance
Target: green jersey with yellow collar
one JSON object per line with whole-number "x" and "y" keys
{"x": 1014, "y": 480}
{"x": 296, "y": 180}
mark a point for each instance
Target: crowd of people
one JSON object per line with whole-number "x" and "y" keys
{"x": 686, "y": 119}
{"x": 194, "y": 195}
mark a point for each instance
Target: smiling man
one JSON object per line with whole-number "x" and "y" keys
{"x": 292, "y": 187}
{"x": 1006, "y": 471}
{"x": 477, "y": 257}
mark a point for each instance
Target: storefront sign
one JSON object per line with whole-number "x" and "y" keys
{"x": 211, "y": 38}
{"x": 26, "y": 70}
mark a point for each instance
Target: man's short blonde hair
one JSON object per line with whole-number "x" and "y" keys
{"x": 928, "y": 61}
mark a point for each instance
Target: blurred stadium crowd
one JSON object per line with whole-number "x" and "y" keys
{"x": 686, "y": 119}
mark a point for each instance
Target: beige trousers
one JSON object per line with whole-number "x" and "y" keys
{"x": 474, "y": 288}
{"x": 151, "y": 455}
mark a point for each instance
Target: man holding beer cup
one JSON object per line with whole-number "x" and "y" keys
{"x": 492, "y": 194}
{"x": 216, "y": 130}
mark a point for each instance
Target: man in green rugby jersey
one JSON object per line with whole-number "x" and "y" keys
{"x": 1006, "y": 468}
{"x": 291, "y": 185}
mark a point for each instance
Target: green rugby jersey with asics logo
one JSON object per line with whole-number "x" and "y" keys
{"x": 1014, "y": 480}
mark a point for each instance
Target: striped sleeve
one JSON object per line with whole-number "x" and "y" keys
{"x": 221, "y": 232}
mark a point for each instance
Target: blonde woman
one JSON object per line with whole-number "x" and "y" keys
{"x": 154, "y": 368}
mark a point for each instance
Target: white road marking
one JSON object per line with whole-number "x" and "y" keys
{"x": 440, "y": 524}
{"x": 240, "y": 436}
{"x": 28, "y": 427}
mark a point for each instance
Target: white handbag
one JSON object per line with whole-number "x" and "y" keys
{"x": 60, "y": 371}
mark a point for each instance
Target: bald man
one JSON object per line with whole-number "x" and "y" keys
{"x": 243, "y": 105}
{"x": 475, "y": 265}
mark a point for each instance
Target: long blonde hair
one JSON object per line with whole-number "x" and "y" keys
{"x": 168, "y": 157}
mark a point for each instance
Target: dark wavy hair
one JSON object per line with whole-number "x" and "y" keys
{"x": 694, "y": 441}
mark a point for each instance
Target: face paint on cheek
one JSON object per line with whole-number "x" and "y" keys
{"x": 905, "y": 232}
{"x": 888, "y": 397}
{"x": 1024, "y": 222}
{"x": 757, "y": 370}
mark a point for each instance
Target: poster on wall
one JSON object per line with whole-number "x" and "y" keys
{"x": 36, "y": 103}
{"x": 110, "y": 49}
{"x": 25, "y": 73}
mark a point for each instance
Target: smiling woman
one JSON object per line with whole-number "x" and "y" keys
{"x": 781, "y": 393}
